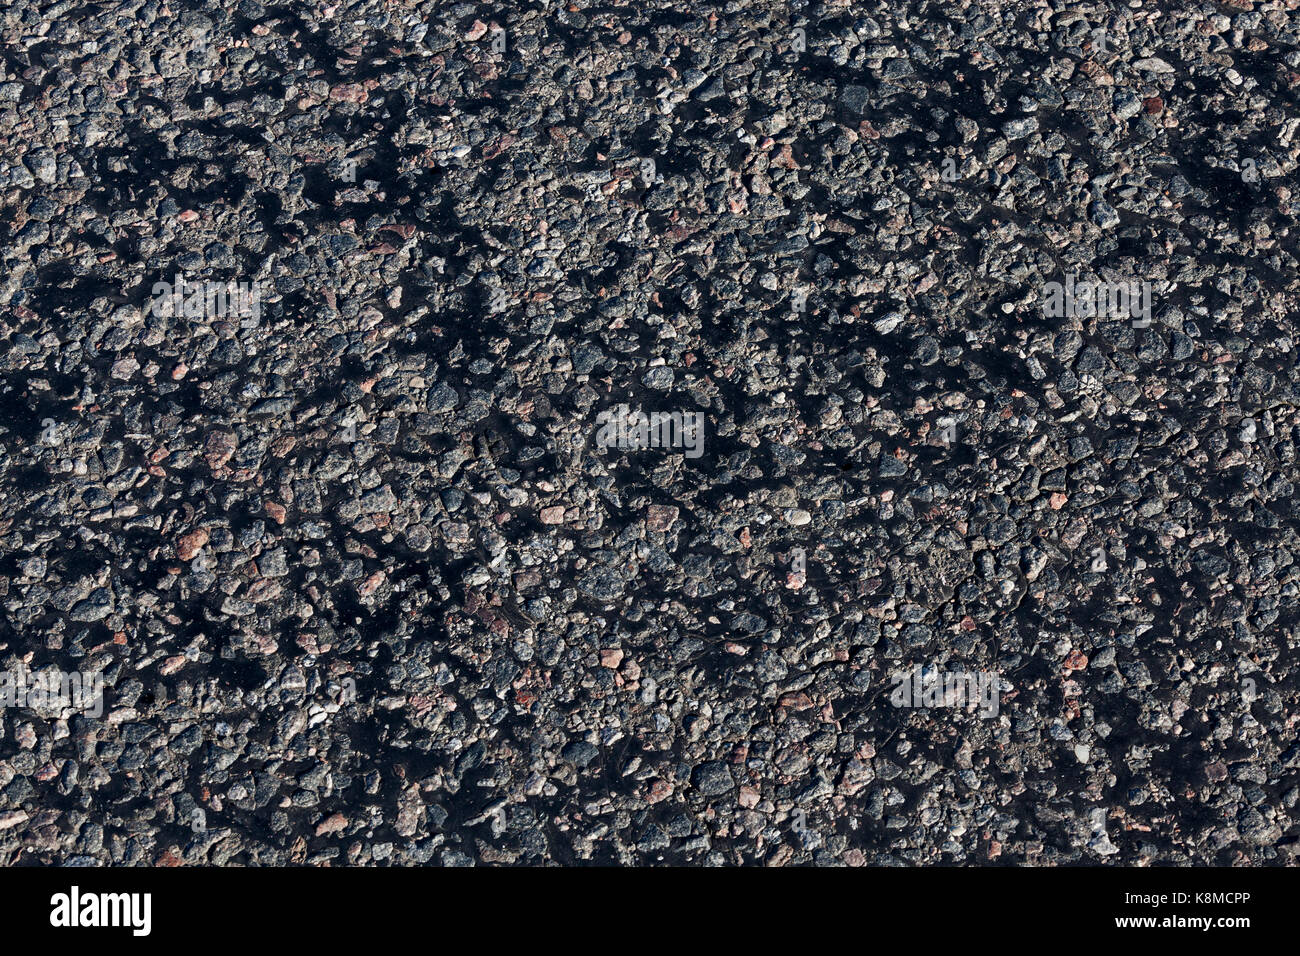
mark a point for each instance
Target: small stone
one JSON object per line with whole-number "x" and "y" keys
{"x": 658, "y": 790}
{"x": 335, "y": 823}
{"x": 713, "y": 779}
{"x": 219, "y": 448}
{"x": 660, "y": 517}
{"x": 1153, "y": 64}
{"x": 189, "y": 545}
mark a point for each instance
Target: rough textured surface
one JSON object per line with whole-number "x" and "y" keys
{"x": 361, "y": 584}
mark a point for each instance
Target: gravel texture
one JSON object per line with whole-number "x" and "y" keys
{"x": 361, "y": 580}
